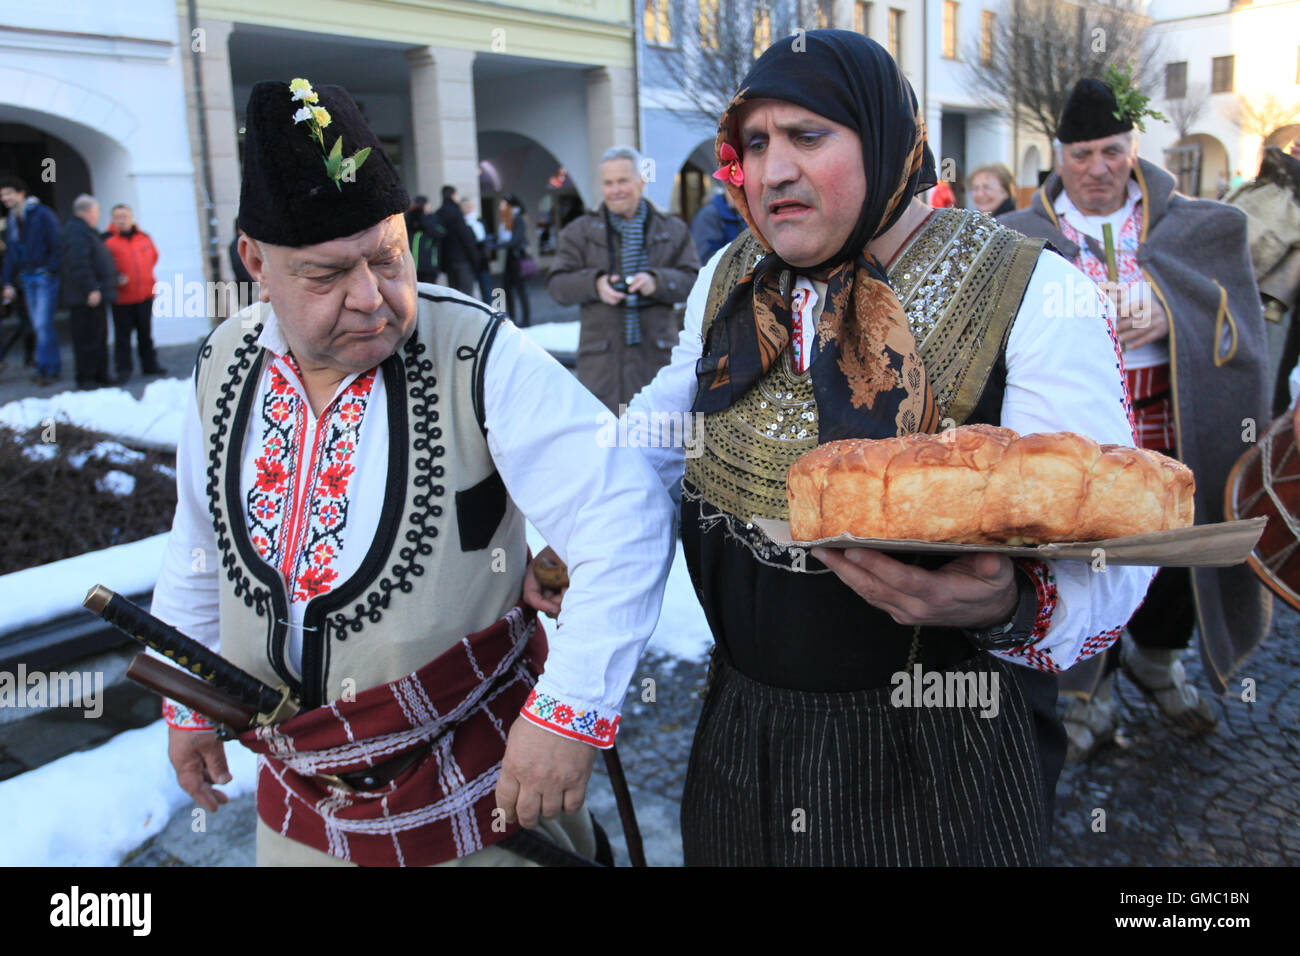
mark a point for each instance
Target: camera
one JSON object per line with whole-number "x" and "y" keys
{"x": 619, "y": 284}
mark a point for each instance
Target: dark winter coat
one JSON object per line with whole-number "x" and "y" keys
{"x": 590, "y": 247}
{"x": 1194, "y": 254}
{"x": 87, "y": 265}
{"x": 32, "y": 242}
{"x": 458, "y": 245}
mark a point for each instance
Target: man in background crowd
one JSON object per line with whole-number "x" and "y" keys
{"x": 32, "y": 261}
{"x": 88, "y": 283}
{"x": 1192, "y": 329}
{"x": 459, "y": 258}
{"x": 627, "y": 265}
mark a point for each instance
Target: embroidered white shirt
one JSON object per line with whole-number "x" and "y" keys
{"x": 1062, "y": 375}
{"x": 599, "y": 506}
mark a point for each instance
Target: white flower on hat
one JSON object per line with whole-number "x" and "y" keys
{"x": 302, "y": 90}
{"x": 303, "y": 115}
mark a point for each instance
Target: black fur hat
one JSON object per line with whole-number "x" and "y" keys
{"x": 1090, "y": 114}
{"x": 291, "y": 195}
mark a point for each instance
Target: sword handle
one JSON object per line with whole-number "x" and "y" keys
{"x": 142, "y": 626}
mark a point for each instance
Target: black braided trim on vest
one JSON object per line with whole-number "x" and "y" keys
{"x": 254, "y": 596}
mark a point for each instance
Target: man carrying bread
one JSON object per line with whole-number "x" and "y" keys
{"x": 853, "y": 310}
{"x": 1195, "y": 356}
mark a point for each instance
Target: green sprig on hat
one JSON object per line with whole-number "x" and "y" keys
{"x": 317, "y": 118}
{"x": 1131, "y": 102}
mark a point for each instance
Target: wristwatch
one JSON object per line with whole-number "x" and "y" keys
{"x": 1018, "y": 630}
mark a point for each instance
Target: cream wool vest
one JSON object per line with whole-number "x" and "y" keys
{"x": 433, "y": 573}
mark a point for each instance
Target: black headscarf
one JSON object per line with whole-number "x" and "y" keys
{"x": 867, "y": 375}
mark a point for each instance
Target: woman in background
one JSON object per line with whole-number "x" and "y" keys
{"x": 990, "y": 190}
{"x": 512, "y": 236}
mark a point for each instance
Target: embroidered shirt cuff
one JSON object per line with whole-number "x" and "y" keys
{"x": 574, "y": 720}
{"x": 180, "y": 717}
{"x": 1040, "y": 573}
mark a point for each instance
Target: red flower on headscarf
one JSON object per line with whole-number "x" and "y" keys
{"x": 730, "y": 170}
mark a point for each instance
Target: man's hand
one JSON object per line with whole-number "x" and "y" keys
{"x": 200, "y": 761}
{"x": 1141, "y": 319}
{"x": 643, "y": 283}
{"x": 974, "y": 591}
{"x": 92, "y": 300}
{"x": 542, "y": 774}
{"x": 607, "y": 293}
{"x": 543, "y": 599}
{"x": 9, "y": 294}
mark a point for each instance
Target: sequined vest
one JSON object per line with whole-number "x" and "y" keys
{"x": 960, "y": 281}
{"x": 448, "y": 555}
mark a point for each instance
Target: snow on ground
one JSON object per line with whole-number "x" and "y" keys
{"x": 682, "y": 631}
{"x": 116, "y": 483}
{"x": 35, "y": 595}
{"x": 93, "y": 808}
{"x": 555, "y": 336}
{"x": 155, "y": 417}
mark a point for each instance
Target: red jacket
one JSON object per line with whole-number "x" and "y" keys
{"x": 135, "y": 256}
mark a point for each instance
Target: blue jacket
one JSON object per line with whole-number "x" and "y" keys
{"x": 32, "y": 245}
{"x": 714, "y": 226}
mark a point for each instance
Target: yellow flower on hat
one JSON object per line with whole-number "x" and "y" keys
{"x": 302, "y": 90}
{"x": 317, "y": 118}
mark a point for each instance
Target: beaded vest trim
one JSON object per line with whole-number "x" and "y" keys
{"x": 960, "y": 281}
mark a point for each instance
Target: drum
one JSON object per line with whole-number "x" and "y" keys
{"x": 1265, "y": 482}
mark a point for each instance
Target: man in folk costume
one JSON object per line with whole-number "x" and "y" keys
{"x": 353, "y": 475}
{"x": 851, "y": 309}
{"x": 1195, "y": 356}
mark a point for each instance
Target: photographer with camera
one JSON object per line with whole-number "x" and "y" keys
{"x": 627, "y": 265}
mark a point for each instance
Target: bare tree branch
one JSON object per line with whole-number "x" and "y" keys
{"x": 1040, "y": 48}
{"x": 1185, "y": 111}
{"x": 1261, "y": 117}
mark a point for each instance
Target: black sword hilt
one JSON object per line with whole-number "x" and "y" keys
{"x": 142, "y": 626}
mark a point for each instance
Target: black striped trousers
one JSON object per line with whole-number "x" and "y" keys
{"x": 790, "y": 778}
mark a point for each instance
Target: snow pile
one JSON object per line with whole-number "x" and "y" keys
{"x": 682, "y": 631}
{"x": 116, "y": 483}
{"x": 93, "y": 808}
{"x": 555, "y": 336}
{"x": 41, "y": 451}
{"x": 36, "y": 595}
{"x": 155, "y": 417}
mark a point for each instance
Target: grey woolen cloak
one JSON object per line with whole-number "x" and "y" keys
{"x": 1195, "y": 255}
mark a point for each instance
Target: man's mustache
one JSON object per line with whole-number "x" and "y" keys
{"x": 786, "y": 195}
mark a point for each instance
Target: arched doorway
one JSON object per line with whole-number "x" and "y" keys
{"x": 1199, "y": 163}
{"x": 694, "y": 182}
{"x": 1283, "y": 136}
{"x": 513, "y": 163}
{"x": 1027, "y": 177}
{"x": 55, "y": 173}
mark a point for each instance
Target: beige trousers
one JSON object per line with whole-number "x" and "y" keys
{"x": 573, "y": 833}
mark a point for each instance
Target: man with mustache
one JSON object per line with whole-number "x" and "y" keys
{"x": 356, "y": 464}
{"x": 853, "y": 310}
{"x": 1195, "y": 356}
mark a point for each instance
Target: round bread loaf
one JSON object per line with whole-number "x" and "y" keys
{"x": 986, "y": 485}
